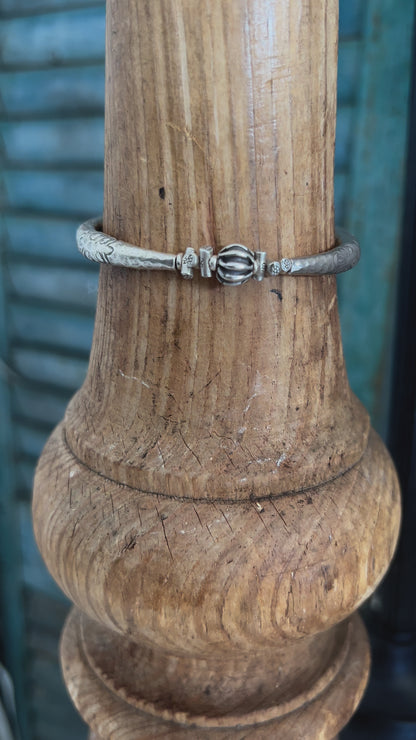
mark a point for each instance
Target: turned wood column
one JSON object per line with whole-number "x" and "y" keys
{"x": 214, "y": 502}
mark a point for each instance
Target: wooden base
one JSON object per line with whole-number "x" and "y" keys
{"x": 111, "y": 714}
{"x": 93, "y": 736}
{"x": 128, "y": 675}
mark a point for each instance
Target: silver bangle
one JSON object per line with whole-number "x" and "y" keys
{"x": 233, "y": 265}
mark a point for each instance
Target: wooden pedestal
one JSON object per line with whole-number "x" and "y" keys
{"x": 214, "y": 502}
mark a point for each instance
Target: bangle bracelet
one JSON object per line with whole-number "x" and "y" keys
{"x": 233, "y": 265}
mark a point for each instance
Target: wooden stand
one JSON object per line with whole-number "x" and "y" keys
{"x": 214, "y": 502}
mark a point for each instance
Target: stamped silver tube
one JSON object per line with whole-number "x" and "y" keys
{"x": 99, "y": 247}
{"x": 336, "y": 260}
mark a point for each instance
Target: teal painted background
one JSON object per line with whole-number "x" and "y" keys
{"x": 372, "y": 205}
{"x": 51, "y": 132}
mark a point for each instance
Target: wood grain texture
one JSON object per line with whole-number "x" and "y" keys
{"x": 317, "y": 720}
{"x": 210, "y": 379}
{"x": 237, "y": 575}
{"x": 214, "y": 502}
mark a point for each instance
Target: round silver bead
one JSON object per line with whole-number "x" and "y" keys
{"x": 235, "y": 265}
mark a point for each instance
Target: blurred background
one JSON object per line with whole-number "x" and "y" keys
{"x": 52, "y": 143}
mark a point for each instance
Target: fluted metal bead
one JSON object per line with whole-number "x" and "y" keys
{"x": 235, "y": 264}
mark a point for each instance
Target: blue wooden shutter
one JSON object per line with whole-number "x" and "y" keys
{"x": 51, "y": 128}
